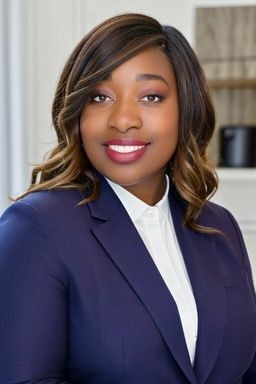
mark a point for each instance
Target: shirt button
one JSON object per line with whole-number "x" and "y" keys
{"x": 150, "y": 214}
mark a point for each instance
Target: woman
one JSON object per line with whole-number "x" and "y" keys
{"x": 114, "y": 268}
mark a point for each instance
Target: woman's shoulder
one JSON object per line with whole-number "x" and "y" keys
{"x": 219, "y": 217}
{"x": 45, "y": 216}
{"x": 48, "y": 204}
{"x": 51, "y": 198}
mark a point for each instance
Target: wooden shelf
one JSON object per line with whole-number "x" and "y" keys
{"x": 232, "y": 83}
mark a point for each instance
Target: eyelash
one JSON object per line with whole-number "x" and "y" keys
{"x": 150, "y": 95}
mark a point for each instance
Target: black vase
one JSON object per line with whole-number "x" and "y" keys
{"x": 238, "y": 146}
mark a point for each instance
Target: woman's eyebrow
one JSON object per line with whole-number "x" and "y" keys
{"x": 150, "y": 76}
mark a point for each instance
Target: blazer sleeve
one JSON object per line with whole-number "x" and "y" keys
{"x": 250, "y": 375}
{"x": 33, "y": 305}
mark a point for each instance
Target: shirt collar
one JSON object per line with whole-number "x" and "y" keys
{"x": 136, "y": 207}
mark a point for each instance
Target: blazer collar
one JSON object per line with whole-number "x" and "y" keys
{"x": 134, "y": 260}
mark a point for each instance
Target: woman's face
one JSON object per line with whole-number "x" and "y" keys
{"x": 130, "y": 125}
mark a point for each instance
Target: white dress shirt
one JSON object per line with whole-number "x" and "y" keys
{"x": 155, "y": 226}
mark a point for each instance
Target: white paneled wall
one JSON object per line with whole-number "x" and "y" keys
{"x": 4, "y": 183}
{"x": 13, "y": 133}
{"x": 16, "y": 77}
{"x": 53, "y": 29}
{"x": 36, "y": 36}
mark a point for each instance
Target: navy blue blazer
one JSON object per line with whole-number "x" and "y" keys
{"x": 81, "y": 300}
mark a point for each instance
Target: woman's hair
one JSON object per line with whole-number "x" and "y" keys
{"x": 101, "y": 51}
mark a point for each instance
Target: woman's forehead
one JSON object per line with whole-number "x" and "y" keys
{"x": 150, "y": 64}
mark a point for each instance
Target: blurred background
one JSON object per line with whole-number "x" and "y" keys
{"x": 36, "y": 37}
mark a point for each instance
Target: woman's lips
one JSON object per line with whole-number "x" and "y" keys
{"x": 125, "y": 151}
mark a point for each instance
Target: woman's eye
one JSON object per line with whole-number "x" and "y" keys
{"x": 152, "y": 99}
{"x": 100, "y": 98}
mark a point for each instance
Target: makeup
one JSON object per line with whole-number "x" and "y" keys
{"x": 125, "y": 151}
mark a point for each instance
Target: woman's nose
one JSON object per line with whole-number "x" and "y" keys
{"x": 124, "y": 116}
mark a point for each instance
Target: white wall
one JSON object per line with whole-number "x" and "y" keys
{"x": 179, "y": 13}
{"x": 42, "y": 34}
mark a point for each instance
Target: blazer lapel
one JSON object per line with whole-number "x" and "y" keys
{"x": 120, "y": 239}
{"x": 200, "y": 257}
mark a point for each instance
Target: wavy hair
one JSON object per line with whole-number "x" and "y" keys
{"x": 101, "y": 51}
